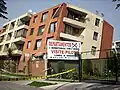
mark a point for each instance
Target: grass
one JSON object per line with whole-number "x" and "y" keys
{"x": 40, "y": 84}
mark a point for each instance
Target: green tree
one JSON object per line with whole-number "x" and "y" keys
{"x": 118, "y": 4}
{"x": 61, "y": 66}
{"x": 3, "y": 9}
{"x": 9, "y": 63}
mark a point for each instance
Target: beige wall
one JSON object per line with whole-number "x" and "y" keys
{"x": 88, "y": 32}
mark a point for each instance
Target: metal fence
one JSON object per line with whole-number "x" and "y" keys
{"x": 99, "y": 65}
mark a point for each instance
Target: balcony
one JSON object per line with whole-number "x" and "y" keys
{"x": 74, "y": 23}
{"x": 17, "y": 52}
{"x": 22, "y": 27}
{"x": 19, "y": 40}
{"x": 71, "y": 37}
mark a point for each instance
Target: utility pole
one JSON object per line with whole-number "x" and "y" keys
{"x": 79, "y": 65}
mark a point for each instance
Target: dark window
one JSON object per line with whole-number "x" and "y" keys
{"x": 41, "y": 30}
{"x": 37, "y": 44}
{"x": 97, "y": 21}
{"x": 44, "y": 17}
{"x": 29, "y": 43}
{"x": 0, "y": 47}
{"x": 93, "y": 50}
{"x": 95, "y": 36}
{"x": 53, "y": 27}
{"x": 56, "y": 12}
{"x": 72, "y": 30}
{"x": 31, "y": 32}
{"x": 35, "y": 19}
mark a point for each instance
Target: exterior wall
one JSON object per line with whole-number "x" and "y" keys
{"x": 88, "y": 41}
{"x": 46, "y": 35}
{"x": 88, "y": 32}
{"x": 87, "y": 37}
{"x": 107, "y": 37}
{"x": 38, "y": 68}
{"x": 12, "y": 31}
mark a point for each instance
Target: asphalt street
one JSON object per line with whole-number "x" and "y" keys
{"x": 68, "y": 86}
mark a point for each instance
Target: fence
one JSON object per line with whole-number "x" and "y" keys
{"x": 100, "y": 65}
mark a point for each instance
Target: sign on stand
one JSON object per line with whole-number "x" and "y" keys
{"x": 62, "y": 49}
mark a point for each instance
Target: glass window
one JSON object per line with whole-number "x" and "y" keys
{"x": 35, "y": 19}
{"x": 53, "y": 27}
{"x": 95, "y": 36}
{"x": 31, "y": 32}
{"x": 29, "y": 43}
{"x": 41, "y": 30}
{"x": 97, "y": 21}
{"x": 93, "y": 50}
{"x": 44, "y": 17}
{"x": 56, "y": 12}
{"x": 37, "y": 44}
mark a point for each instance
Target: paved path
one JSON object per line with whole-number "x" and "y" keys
{"x": 88, "y": 86}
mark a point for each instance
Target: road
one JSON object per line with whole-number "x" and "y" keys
{"x": 88, "y": 86}
{"x": 68, "y": 86}
{"x": 13, "y": 86}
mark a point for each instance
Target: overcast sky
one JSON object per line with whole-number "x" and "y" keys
{"x": 19, "y": 7}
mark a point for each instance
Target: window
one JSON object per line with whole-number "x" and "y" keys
{"x": 31, "y": 32}
{"x": 0, "y": 47}
{"x": 37, "y": 44}
{"x": 93, "y": 50}
{"x": 97, "y": 21}
{"x": 35, "y": 19}
{"x": 44, "y": 17}
{"x": 56, "y": 12}
{"x": 41, "y": 30}
{"x": 53, "y": 27}
{"x": 95, "y": 36}
{"x": 9, "y": 36}
{"x": 12, "y": 25}
{"x": 29, "y": 43}
{"x": 72, "y": 30}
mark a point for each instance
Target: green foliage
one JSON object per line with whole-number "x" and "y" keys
{"x": 40, "y": 84}
{"x": 3, "y": 9}
{"x": 87, "y": 67}
{"x": 61, "y": 66}
{"x": 118, "y": 4}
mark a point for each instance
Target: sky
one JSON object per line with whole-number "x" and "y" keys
{"x": 16, "y": 8}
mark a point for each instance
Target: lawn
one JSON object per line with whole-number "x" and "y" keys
{"x": 40, "y": 84}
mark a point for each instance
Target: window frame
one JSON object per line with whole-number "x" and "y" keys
{"x": 42, "y": 28}
{"x": 93, "y": 50}
{"x": 54, "y": 27}
{"x": 28, "y": 44}
{"x": 97, "y": 22}
{"x": 32, "y": 29}
{"x": 36, "y": 44}
{"x": 95, "y": 36}
{"x": 43, "y": 19}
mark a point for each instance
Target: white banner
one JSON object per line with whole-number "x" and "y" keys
{"x": 62, "y": 49}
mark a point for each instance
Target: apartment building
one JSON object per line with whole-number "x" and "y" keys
{"x": 13, "y": 35}
{"x": 64, "y": 22}
{"x": 116, "y": 46}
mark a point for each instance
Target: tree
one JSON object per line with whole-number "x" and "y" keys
{"x": 87, "y": 67}
{"x": 3, "y": 9}
{"x": 10, "y": 64}
{"x": 118, "y": 4}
